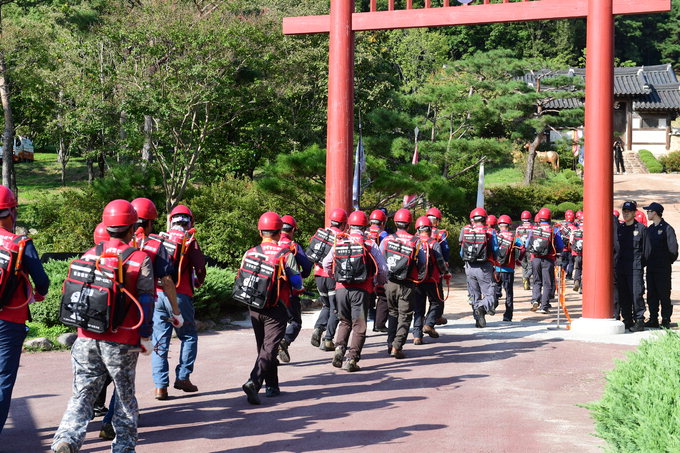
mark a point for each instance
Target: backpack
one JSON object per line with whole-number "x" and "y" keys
{"x": 540, "y": 241}
{"x": 93, "y": 296}
{"x": 257, "y": 281}
{"x": 565, "y": 231}
{"x": 474, "y": 245}
{"x": 506, "y": 245}
{"x": 10, "y": 268}
{"x": 577, "y": 246}
{"x": 400, "y": 257}
{"x": 319, "y": 245}
{"x": 350, "y": 264}
{"x": 176, "y": 243}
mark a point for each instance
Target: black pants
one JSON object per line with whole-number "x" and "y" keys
{"x": 578, "y": 268}
{"x": 618, "y": 159}
{"x": 352, "y": 308}
{"x": 328, "y": 316}
{"x": 378, "y": 308}
{"x": 294, "y": 319}
{"x": 543, "y": 270}
{"x": 631, "y": 287}
{"x": 506, "y": 282}
{"x": 269, "y": 325}
{"x": 659, "y": 292}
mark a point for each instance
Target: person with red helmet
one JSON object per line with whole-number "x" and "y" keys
{"x": 189, "y": 271}
{"x": 430, "y": 287}
{"x": 441, "y": 235}
{"x": 14, "y": 307}
{"x": 544, "y": 243}
{"x": 510, "y": 250}
{"x": 492, "y": 221}
{"x": 566, "y": 260}
{"x": 522, "y": 232}
{"x": 328, "y": 316}
{"x": 406, "y": 264}
{"x": 357, "y": 265}
{"x": 269, "y": 318}
{"x": 576, "y": 242}
{"x": 294, "y": 309}
{"x": 617, "y": 214}
{"x": 112, "y": 353}
{"x": 478, "y": 245}
{"x": 378, "y": 305}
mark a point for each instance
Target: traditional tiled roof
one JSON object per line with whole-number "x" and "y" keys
{"x": 651, "y": 87}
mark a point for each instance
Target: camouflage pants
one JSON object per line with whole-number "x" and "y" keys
{"x": 93, "y": 361}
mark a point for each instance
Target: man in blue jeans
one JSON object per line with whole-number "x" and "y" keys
{"x": 189, "y": 263}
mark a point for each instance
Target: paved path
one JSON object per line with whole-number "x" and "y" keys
{"x": 507, "y": 388}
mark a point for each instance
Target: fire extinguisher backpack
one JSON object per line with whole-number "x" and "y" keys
{"x": 350, "y": 264}
{"x": 540, "y": 240}
{"x": 319, "y": 245}
{"x": 92, "y": 295}
{"x": 577, "y": 246}
{"x": 506, "y": 244}
{"x": 475, "y": 244}
{"x": 176, "y": 243}
{"x": 11, "y": 272}
{"x": 256, "y": 283}
{"x": 400, "y": 256}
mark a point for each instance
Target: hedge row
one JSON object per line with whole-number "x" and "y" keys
{"x": 647, "y": 158}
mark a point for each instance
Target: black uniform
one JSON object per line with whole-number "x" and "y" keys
{"x": 660, "y": 252}
{"x": 630, "y": 261}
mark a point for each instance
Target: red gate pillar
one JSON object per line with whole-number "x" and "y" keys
{"x": 598, "y": 184}
{"x": 340, "y": 136}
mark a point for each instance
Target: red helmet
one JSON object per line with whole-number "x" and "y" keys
{"x": 526, "y": 215}
{"x": 640, "y": 217}
{"x": 289, "y": 220}
{"x": 504, "y": 219}
{"x": 358, "y": 218}
{"x": 423, "y": 221}
{"x": 339, "y": 215}
{"x": 145, "y": 208}
{"x": 7, "y": 198}
{"x": 569, "y": 215}
{"x": 491, "y": 220}
{"x": 269, "y": 221}
{"x": 478, "y": 212}
{"x": 119, "y": 213}
{"x": 434, "y": 212}
{"x": 180, "y": 209}
{"x": 617, "y": 213}
{"x": 100, "y": 233}
{"x": 403, "y": 215}
{"x": 579, "y": 215}
{"x": 544, "y": 214}
{"x": 378, "y": 215}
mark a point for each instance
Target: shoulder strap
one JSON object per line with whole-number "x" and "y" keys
{"x": 99, "y": 249}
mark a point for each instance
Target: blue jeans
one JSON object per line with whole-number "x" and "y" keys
{"x": 12, "y": 337}
{"x": 162, "y": 333}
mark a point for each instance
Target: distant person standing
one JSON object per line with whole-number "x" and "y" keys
{"x": 629, "y": 265}
{"x": 618, "y": 157}
{"x": 660, "y": 252}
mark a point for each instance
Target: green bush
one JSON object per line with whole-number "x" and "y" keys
{"x": 640, "y": 408}
{"x": 564, "y": 207}
{"x": 647, "y": 158}
{"x": 47, "y": 311}
{"x": 39, "y": 330}
{"x": 671, "y": 162}
{"x": 512, "y": 200}
{"x": 214, "y": 297}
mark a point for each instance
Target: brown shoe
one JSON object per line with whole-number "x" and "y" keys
{"x": 534, "y": 306}
{"x": 441, "y": 321}
{"x": 430, "y": 331}
{"x": 397, "y": 353}
{"x": 162, "y": 393}
{"x": 185, "y": 385}
{"x": 417, "y": 341}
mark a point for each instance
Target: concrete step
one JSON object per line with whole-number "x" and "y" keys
{"x": 632, "y": 163}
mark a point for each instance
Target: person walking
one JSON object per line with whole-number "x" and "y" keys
{"x": 510, "y": 250}
{"x": 20, "y": 261}
{"x": 661, "y": 251}
{"x": 629, "y": 266}
{"x": 357, "y": 265}
{"x": 378, "y": 305}
{"x": 523, "y": 232}
{"x": 544, "y": 243}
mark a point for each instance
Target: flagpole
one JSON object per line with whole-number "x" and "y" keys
{"x": 480, "y": 186}
{"x": 409, "y": 198}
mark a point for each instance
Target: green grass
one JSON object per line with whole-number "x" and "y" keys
{"x": 38, "y": 330}
{"x": 503, "y": 176}
{"x": 44, "y": 174}
{"x": 647, "y": 158}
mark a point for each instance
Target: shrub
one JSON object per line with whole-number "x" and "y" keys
{"x": 47, "y": 311}
{"x": 564, "y": 207}
{"x": 671, "y": 162}
{"x": 647, "y": 158}
{"x": 640, "y": 408}
{"x": 214, "y": 297}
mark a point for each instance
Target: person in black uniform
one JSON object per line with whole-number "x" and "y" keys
{"x": 629, "y": 265}
{"x": 660, "y": 252}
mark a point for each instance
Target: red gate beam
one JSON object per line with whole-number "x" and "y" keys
{"x": 469, "y": 15}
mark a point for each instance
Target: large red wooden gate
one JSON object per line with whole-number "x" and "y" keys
{"x": 598, "y": 186}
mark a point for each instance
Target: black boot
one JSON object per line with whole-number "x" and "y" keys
{"x": 639, "y": 326}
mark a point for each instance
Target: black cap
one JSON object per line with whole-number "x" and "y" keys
{"x": 656, "y": 207}
{"x": 629, "y": 206}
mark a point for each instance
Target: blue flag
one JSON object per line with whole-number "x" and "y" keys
{"x": 359, "y": 170}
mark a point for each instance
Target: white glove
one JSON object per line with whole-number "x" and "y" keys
{"x": 146, "y": 346}
{"x": 177, "y": 321}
